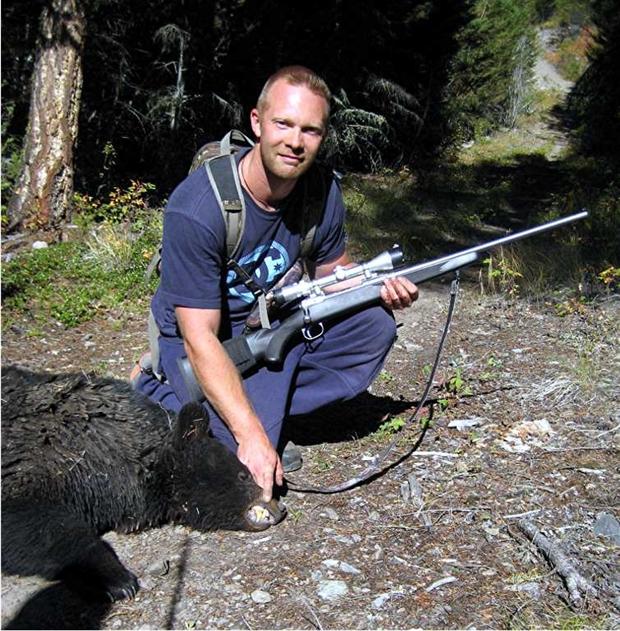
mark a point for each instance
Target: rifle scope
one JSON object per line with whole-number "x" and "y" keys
{"x": 384, "y": 262}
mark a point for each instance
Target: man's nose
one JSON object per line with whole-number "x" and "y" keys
{"x": 296, "y": 139}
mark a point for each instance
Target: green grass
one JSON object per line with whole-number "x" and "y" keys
{"x": 72, "y": 282}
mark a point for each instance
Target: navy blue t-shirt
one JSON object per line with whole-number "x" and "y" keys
{"x": 193, "y": 266}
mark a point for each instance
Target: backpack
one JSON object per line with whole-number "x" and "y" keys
{"x": 218, "y": 159}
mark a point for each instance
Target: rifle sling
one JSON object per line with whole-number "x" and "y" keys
{"x": 376, "y": 468}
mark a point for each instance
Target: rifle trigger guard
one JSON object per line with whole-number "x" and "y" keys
{"x": 308, "y": 334}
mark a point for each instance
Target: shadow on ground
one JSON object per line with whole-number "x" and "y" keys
{"x": 344, "y": 421}
{"x": 57, "y": 607}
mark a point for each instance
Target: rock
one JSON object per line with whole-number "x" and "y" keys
{"x": 348, "y": 539}
{"x": 380, "y": 600}
{"x": 39, "y": 245}
{"x": 260, "y": 596}
{"x": 531, "y": 588}
{"x": 411, "y": 491}
{"x": 341, "y": 565}
{"x": 332, "y": 590}
{"x": 348, "y": 568}
{"x": 465, "y": 423}
{"x": 607, "y": 525}
{"x": 330, "y": 513}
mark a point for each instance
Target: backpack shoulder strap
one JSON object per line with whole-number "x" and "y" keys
{"x": 316, "y": 189}
{"x": 224, "y": 179}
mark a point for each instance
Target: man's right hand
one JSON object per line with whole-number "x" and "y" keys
{"x": 259, "y": 456}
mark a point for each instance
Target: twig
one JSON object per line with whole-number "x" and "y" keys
{"x": 548, "y": 451}
{"x": 609, "y": 431}
{"x": 575, "y": 582}
{"x": 316, "y": 622}
{"x": 444, "y": 454}
{"x": 441, "y": 582}
{"x": 526, "y": 514}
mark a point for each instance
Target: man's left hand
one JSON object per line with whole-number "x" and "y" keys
{"x": 398, "y": 293}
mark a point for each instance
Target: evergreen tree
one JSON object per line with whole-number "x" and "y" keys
{"x": 491, "y": 72}
{"x": 595, "y": 99}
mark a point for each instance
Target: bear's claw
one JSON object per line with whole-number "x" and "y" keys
{"x": 126, "y": 590}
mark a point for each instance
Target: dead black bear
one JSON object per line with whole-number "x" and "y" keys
{"x": 82, "y": 455}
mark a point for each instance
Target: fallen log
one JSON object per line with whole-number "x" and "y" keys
{"x": 578, "y": 586}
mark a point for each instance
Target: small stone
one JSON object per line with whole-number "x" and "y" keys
{"x": 464, "y": 423}
{"x": 332, "y": 590}
{"x": 330, "y": 513}
{"x": 39, "y": 245}
{"x": 348, "y": 540}
{"x": 412, "y": 347}
{"x": 379, "y": 554}
{"x": 380, "y": 600}
{"x": 531, "y": 588}
{"x": 348, "y": 568}
{"x": 607, "y": 525}
{"x": 259, "y": 596}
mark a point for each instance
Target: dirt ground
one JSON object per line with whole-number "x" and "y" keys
{"x": 524, "y": 425}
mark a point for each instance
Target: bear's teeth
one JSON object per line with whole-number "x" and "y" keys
{"x": 259, "y": 514}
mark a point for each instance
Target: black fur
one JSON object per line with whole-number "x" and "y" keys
{"x": 83, "y": 455}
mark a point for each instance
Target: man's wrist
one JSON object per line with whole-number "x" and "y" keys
{"x": 248, "y": 430}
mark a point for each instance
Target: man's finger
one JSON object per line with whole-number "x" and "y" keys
{"x": 267, "y": 486}
{"x": 279, "y": 473}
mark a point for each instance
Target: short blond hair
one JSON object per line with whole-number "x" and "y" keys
{"x": 295, "y": 75}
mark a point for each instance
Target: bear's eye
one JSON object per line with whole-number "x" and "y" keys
{"x": 243, "y": 476}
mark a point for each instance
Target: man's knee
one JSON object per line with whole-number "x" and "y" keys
{"x": 376, "y": 329}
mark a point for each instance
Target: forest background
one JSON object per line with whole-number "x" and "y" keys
{"x": 104, "y": 104}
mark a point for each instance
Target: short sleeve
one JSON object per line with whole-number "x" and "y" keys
{"x": 191, "y": 269}
{"x": 330, "y": 239}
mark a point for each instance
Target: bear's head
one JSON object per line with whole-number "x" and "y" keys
{"x": 211, "y": 488}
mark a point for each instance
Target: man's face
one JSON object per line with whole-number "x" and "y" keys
{"x": 290, "y": 127}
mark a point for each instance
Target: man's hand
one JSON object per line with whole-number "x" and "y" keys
{"x": 398, "y": 293}
{"x": 261, "y": 459}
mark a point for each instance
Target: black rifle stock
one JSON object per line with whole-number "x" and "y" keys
{"x": 269, "y": 346}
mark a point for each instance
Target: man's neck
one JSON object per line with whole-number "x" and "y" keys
{"x": 265, "y": 189}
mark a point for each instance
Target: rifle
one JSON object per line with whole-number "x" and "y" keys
{"x": 310, "y": 306}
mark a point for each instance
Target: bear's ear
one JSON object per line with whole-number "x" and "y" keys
{"x": 192, "y": 422}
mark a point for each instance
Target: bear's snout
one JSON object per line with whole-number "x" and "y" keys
{"x": 261, "y": 515}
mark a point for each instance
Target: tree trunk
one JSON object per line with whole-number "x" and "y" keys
{"x": 43, "y": 192}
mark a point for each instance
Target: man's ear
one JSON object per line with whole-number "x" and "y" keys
{"x": 192, "y": 422}
{"x": 255, "y": 122}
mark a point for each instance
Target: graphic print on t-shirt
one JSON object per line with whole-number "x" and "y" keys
{"x": 266, "y": 264}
